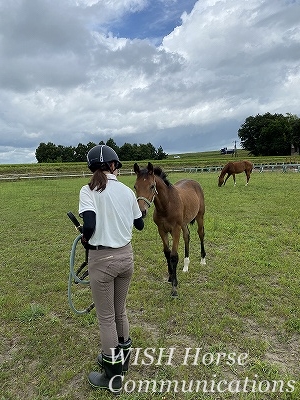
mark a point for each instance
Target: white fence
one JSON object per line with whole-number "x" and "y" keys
{"x": 257, "y": 167}
{"x": 55, "y": 175}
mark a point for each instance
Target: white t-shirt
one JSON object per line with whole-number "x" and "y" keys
{"x": 115, "y": 207}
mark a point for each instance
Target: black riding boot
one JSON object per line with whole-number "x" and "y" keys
{"x": 126, "y": 349}
{"x": 110, "y": 378}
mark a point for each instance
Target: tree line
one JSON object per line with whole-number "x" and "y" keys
{"x": 51, "y": 153}
{"x": 261, "y": 135}
{"x": 270, "y": 134}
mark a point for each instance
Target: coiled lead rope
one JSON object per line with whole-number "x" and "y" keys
{"x": 73, "y": 276}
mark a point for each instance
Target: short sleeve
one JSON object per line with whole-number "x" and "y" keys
{"x": 86, "y": 202}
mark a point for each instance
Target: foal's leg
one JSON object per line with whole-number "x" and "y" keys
{"x": 167, "y": 251}
{"x": 186, "y": 238}
{"x": 174, "y": 258}
{"x": 200, "y": 222}
{"x": 167, "y": 254}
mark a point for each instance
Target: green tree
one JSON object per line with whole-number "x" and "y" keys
{"x": 135, "y": 152}
{"x": 66, "y": 153}
{"x": 268, "y": 134}
{"x": 295, "y": 125}
{"x": 80, "y": 152}
{"x": 52, "y": 153}
{"x": 47, "y": 153}
{"x": 90, "y": 145}
{"x": 40, "y": 152}
{"x": 126, "y": 152}
{"x": 111, "y": 143}
{"x": 147, "y": 151}
{"x": 275, "y": 137}
{"x": 160, "y": 154}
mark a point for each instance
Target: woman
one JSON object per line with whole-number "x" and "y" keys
{"x": 109, "y": 210}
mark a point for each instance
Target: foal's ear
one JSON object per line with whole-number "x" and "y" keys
{"x": 150, "y": 168}
{"x": 136, "y": 168}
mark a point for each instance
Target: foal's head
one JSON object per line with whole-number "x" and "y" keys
{"x": 145, "y": 187}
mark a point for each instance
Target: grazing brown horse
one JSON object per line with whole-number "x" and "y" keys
{"x": 175, "y": 207}
{"x": 235, "y": 167}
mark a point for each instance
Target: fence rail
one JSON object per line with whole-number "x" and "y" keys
{"x": 55, "y": 175}
{"x": 257, "y": 167}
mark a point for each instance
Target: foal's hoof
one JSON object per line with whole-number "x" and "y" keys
{"x": 174, "y": 294}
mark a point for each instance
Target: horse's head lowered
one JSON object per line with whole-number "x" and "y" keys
{"x": 145, "y": 187}
{"x": 221, "y": 181}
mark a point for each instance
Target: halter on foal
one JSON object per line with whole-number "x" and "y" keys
{"x": 175, "y": 207}
{"x": 235, "y": 167}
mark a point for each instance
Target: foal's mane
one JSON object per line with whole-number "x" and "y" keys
{"x": 159, "y": 172}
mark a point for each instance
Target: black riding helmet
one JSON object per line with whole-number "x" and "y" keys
{"x": 100, "y": 156}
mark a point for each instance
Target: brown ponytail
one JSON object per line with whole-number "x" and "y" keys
{"x": 98, "y": 181}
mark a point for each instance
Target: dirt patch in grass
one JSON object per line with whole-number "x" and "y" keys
{"x": 281, "y": 350}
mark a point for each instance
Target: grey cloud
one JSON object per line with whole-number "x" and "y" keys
{"x": 65, "y": 78}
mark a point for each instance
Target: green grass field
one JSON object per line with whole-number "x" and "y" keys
{"x": 245, "y": 300}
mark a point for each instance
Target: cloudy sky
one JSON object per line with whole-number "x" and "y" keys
{"x": 181, "y": 74}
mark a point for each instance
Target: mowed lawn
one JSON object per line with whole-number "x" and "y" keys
{"x": 245, "y": 300}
